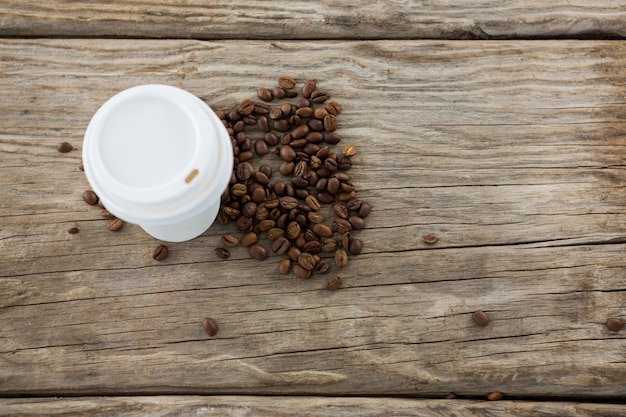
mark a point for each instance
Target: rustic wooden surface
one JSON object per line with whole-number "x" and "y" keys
{"x": 326, "y": 19}
{"x": 300, "y": 406}
{"x": 510, "y": 152}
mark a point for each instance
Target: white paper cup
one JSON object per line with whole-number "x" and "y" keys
{"x": 159, "y": 157}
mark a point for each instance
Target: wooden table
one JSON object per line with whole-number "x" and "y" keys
{"x": 474, "y": 123}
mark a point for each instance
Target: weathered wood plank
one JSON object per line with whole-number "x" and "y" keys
{"x": 315, "y": 20}
{"x": 511, "y": 153}
{"x": 301, "y": 406}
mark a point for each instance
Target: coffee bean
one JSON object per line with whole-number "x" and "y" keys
{"x": 306, "y": 261}
{"x": 354, "y": 204}
{"x": 355, "y": 247}
{"x": 315, "y": 125}
{"x": 160, "y": 252}
{"x": 322, "y": 267}
{"x": 333, "y": 186}
{"x": 329, "y": 245}
{"x": 275, "y": 233}
{"x": 293, "y": 230}
{"x": 115, "y": 225}
{"x": 222, "y": 253}
{"x": 72, "y": 230}
{"x": 282, "y": 125}
{"x": 430, "y": 239}
{"x": 286, "y": 168}
{"x": 90, "y": 198}
{"x": 365, "y": 209}
{"x": 257, "y": 251}
{"x": 249, "y": 209}
{"x": 244, "y": 171}
{"x": 313, "y": 203}
{"x": 357, "y": 222}
{"x": 261, "y": 148}
{"x": 279, "y": 93}
{"x": 349, "y": 150}
{"x": 322, "y": 230}
{"x": 64, "y": 147}
{"x": 341, "y": 211}
{"x": 308, "y": 88}
{"x": 286, "y": 82}
{"x": 287, "y": 153}
{"x": 347, "y": 196}
{"x": 265, "y": 225}
{"x": 284, "y": 266}
{"x": 341, "y": 226}
{"x": 345, "y": 240}
{"x": 299, "y": 182}
{"x": 265, "y": 94}
{"x": 301, "y": 272}
{"x": 330, "y": 164}
{"x": 263, "y": 124}
{"x": 230, "y": 241}
{"x": 319, "y": 97}
{"x": 245, "y": 107}
{"x": 480, "y": 318}
{"x": 341, "y": 258}
{"x": 249, "y": 239}
{"x": 494, "y": 396}
{"x": 333, "y": 108}
{"x": 281, "y": 246}
{"x": 244, "y": 223}
{"x": 315, "y": 217}
{"x": 107, "y": 214}
{"x": 239, "y": 189}
{"x": 210, "y": 327}
{"x": 332, "y": 138}
{"x": 330, "y": 123}
{"x": 614, "y": 324}
{"x": 325, "y": 198}
{"x": 313, "y": 247}
{"x": 293, "y": 253}
{"x": 81, "y": 166}
{"x": 258, "y": 195}
{"x": 300, "y": 132}
{"x": 271, "y": 139}
{"x": 288, "y": 203}
{"x": 334, "y": 283}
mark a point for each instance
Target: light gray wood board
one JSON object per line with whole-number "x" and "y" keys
{"x": 233, "y": 406}
{"x": 510, "y": 152}
{"x": 315, "y": 20}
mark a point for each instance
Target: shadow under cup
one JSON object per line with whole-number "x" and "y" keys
{"x": 159, "y": 157}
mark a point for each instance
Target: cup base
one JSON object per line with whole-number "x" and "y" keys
{"x": 186, "y": 230}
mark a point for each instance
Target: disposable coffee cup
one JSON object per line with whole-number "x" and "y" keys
{"x": 159, "y": 157}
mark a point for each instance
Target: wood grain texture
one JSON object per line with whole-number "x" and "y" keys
{"x": 511, "y": 153}
{"x": 325, "y": 19}
{"x": 301, "y": 406}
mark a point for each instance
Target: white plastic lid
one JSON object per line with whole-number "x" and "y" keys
{"x": 157, "y": 155}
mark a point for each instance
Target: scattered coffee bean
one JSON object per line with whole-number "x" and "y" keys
{"x": 257, "y": 251}
{"x": 72, "y": 230}
{"x": 307, "y": 261}
{"x": 349, "y": 150}
{"x": 64, "y": 147}
{"x": 341, "y": 258}
{"x": 249, "y": 239}
{"x": 308, "y": 88}
{"x": 90, "y": 198}
{"x": 107, "y": 214}
{"x": 160, "y": 253}
{"x": 334, "y": 283}
{"x": 222, "y": 253}
{"x": 210, "y": 326}
{"x": 333, "y": 108}
{"x": 265, "y": 94}
{"x": 480, "y": 318}
{"x": 355, "y": 246}
{"x": 81, "y": 166}
{"x": 230, "y": 241}
{"x": 614, "y": 324}
{"x": 115, "y": 225}
{"x": 494, "y": 396}
{"x": 430, "y": 239}
{"x": 301, "y": 272}
{"x": 286, "y": 82}
{"x": 284, "y": 266}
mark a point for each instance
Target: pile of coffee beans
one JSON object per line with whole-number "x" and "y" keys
{"x": 285, "y": 204}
